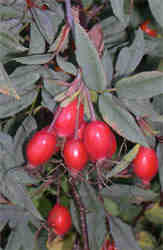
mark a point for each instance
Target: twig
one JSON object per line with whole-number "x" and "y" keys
{"x": 82, "y": 213}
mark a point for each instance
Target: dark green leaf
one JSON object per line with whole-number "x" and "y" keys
{"x": 122, "y": 235}
{"x": 144, "y": 108}
{"x": 158, "y": 103}
{"x": 157, "y": 9}
{"x": 118, "y": 10}
{"x": 133, "y": 194}
{"x": 28, "y": 125}
{"x": 160, "y": 157}
{"x": 6, "y": 145}
{"x": 75, "y": 216}
{"x": 130, "y": 57}
{"x": 143, "y": 85}
{"x": 48, "y": 22}
{"x": 17, "y": 193}
{"x": 96, "y": 225}
{"x": 88, "y": 59}
{"x": 120, "y": 119}
{"x": 34, "y": 59}
{"x": 108, "y": 67}
{"x": 37, "y": 41}
{"x": 89, "y": 197}
{"x": 66, "y": 66}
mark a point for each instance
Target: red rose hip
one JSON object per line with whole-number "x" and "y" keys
{"x": 65, "y": 123}
{"x": 41, "y": 147}
{"x": 75, "y": 155}
{"x": 145, "y": 164}
{"x": 99, "y": 140}
{"x": 59, "y": 219}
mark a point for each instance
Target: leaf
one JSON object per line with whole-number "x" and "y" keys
{"x": 143, "y": 108}
{"x": 61, "y": 43}
{"x": 48, "y": 22}
{"x": 6, "y": 145}
{"x": 111, "y": 207}
{"x": 17, "y": 193}
{"x": 6, "y": 86}
{"x": 96, "y": 225}
{"x": 87, "y": 3}
{"x": 23, "y": 79}
{"x": 155, "y": 214}
{"x": 157, "y": 9}
{"x": 96, "y": 35}
{"x": 89, "y": 198}
{"x": 34, "y": 59}
{"x": 118, "y": 10}
{"x": 66, "y": 66}
{"x": 124, "y": 163}
{"x": 130, "y": 57}
{"x": 108, "y": 67}
{"x": 62, "y": 244}
{"x": 143, "y": 85}
{"x": 75, "y": 216}
{"x": 24, "y": 131}
{"x": 120, "y": 119}
{"x": 122, "y": 235}
{"x": 37, "y": 41}
{"x": 114, "y": 32}
{"x": 132, "y": 193}
{"x": 160, "y": 158}
{"x": 89, "y": 60}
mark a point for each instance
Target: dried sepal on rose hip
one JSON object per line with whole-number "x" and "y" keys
{"x": 59, "y": 219}
{"x": 145, "y": 27}
{"x": 145, "y": 164}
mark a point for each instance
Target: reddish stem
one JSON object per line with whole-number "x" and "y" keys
{"x": 55, "y": 118}
{"x": 77, "y": 120}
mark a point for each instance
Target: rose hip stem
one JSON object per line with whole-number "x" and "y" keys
{"x": 54, "y": 119}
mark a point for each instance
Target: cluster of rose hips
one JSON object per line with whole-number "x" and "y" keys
{"x": 93, "y": 141}
{"x": 83, "y": 141}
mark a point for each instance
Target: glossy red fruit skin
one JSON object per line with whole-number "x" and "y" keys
{"x": 52, "y": 131}
{"x": 81, "y": 129}
{"x": 148, "y": 30}
{"x": 75, "y": 155}
{"x": 65, "y": 123}
{"x": 145, "y": 164}
{"x": 41, "y": 147}
{"x": 59, "y": 219}
{"x": 109, "y": 245}
{"x": 99, "y": 140}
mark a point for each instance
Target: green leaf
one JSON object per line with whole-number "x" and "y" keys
{"x": 160, "y": 157}
{"x": 108, "y": 67}
{"x": 132, "y": 194}
{"x": 75, "y": 216}
{"x": 66, "y": 66}
{"x": 120, "y": 119}
{"x": 130, "y": 57}
{"x": 37, "y": 41}
{"x": 157, "y": 9}
{"x": 17, "y": 193}
{"x": 113, "y": 31}
{"x": 111, "y": 207}
{"x": 155, "y": 214}
{"x": 143, "y": 85}
{"x": 118, "y": 10}
{"x": 144, "y": 108}
{"x": 89, "y": 61}
{"x": 48, "y": 21}
{"x": 24, "y": 131}
{"x": 6, "y": 85}
{"x": 124, "y": 163}
{"x": 87, "y": 3}
{"x": 122, "y": 235}
{"x": 34, "y": 59}
{"x": 96, "y": 225}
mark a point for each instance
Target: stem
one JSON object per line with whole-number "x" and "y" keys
{"x": 69, "y": 15}
{"x": 91, "y": 109}
{"x": 77, "y": 119}
{"x": 82, "y": 213}
{"x": 54, "y": 119}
